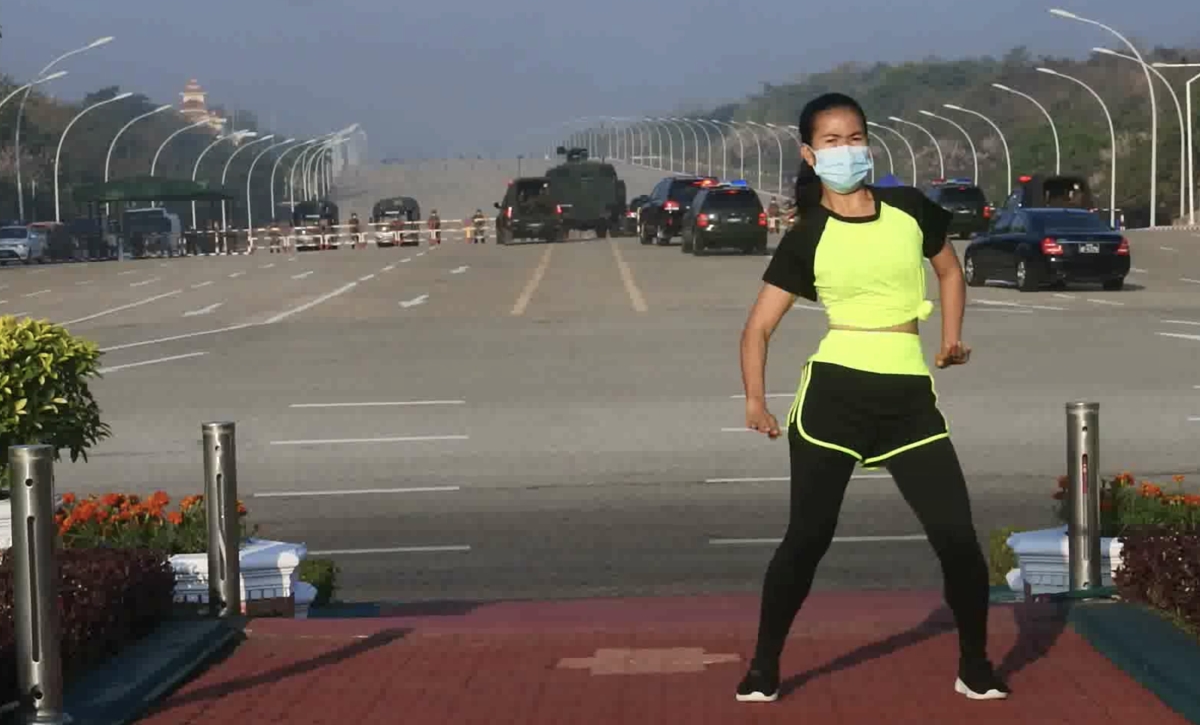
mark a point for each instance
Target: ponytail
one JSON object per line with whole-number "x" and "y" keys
{"x": 808, "y": 187}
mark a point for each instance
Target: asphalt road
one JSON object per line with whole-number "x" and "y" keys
{"x": 480, "y": 422}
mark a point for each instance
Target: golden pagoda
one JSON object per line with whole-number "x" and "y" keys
{"x": 194, "y": 108}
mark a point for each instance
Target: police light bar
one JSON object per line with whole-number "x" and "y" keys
{"x": 739, "y": 182}
{"x": 960, "y": 181}
{"x": 1024, "y": 179}
{"x": 708, "y": 182}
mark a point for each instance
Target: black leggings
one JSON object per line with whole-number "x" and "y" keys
{"x": 931, "y": 481}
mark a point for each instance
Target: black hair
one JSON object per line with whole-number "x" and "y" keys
{"x": 808, "y": 187}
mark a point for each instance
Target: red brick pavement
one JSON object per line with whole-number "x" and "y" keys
{"x": 858, "y": 658}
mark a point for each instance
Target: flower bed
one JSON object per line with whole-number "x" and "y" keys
{"x": 109, "y": 598}
{"x": 1126, "y": 507}
{"x": 1162, "y": 570}
{"x": 270, "y": 570}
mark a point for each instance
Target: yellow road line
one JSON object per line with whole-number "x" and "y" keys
{"x": 635, "y": 294}
{"x": 531, "y": 286}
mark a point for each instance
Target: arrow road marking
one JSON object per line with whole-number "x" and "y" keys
{"x": 414, "y": 301}
{"x": 203, "y": 310}
{"x": 459, "y": 270}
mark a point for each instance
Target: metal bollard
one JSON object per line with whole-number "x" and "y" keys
{"x": 1083, "y": 496}
{"x": 35, "y": 585}
{"x": 224, "y": 534}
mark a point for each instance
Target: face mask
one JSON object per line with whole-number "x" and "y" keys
{"x": 843, "y": 168}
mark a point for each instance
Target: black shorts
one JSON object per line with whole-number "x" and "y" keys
{"x": 870, "y": 416}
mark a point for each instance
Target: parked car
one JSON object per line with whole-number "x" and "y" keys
{"x": 24, "y": 244}
{"x": 1041, "y": 247}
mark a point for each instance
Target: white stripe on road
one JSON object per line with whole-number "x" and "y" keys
{"x": 1014, "y": 310}
{"x": 1179, "y": 322}
{"x": 1194, "y": 419}
{"x": 291, "y": 259}
{"x": 353, "y": 492}
{"x": 1179, "y": 335}
{"x": 235, "y": 275}
{"x": 35, "y": 294}
{"x": 393, "y": 439}
{"x": 128, "y": 271}
{"x": 309, "y": 305}
{"x": 203, "y": 310}
{"x": 144, "y": 282}
{"x": 173, "y": 338}
{"x": 201, "y": 284}
{"x": 392, "y": 550}
{"x": 83, "y": 282}
{"x": 1189, "y": 280}
{"x": 1138, "y": 270}
{"x": 420, "y": 254}
{"x": 782, "y": 479}
{"x": 389, "y": 268}
{"x": 366, "y": 278}
{"x": 302, "y": 275}
{"x": 377, "y": 404}
{"x": 1167, "y": 249}
{"x": 769, "y": 395}
{"x": 155, "y": 361}
{"x": 267, "y": 266}
{"x": 996, "y": 302}
{"x": 836, "y": 540}
{"x": 419, "y": 300}
{"x": 1105, "y": 302}
{"x": 406, "y": 259}
{"x": 459, "y": 270}
{"x": 1062, "y": 296}
{"x": 129, "y": 306}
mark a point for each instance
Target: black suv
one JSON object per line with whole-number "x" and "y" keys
{"x": 529, "y": 211}
{"x": 724, "y": 217}
{"x": 662, "y": 216}
{"x": 966, "y": 202}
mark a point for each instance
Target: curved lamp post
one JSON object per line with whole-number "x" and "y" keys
{"x": 235, "y": 136}
{"x": 1191, "y": 145}
{"x": 250, "y": 175}
{"x": 113, "y": 144}
{"x": 1003, "y": 141}
{"x": 932, "y": 138}
{"x": 971, "y": 143}
{"x": 168, "y": 139}
{"x": 63, "y": 137}
{"x": 1049, "y": 119}
{"x": 912, "y": 155}
{"x": 225, "y": 171}
{"x": 1112, "y": 194}
{"x": 41, "y": 78}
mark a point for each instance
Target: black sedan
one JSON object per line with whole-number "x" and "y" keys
{"x": 1048, "y": 247}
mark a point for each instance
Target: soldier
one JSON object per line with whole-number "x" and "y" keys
{"x": 435, "y": 228}
{"x": 773, "y": 215}
{"x": 479, "y": 221}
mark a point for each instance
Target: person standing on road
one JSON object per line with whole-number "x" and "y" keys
{"x": 866, "y": 396}
{"x": 479, "y": 222}
{"x": 435, "y": 228}
{"x": 773, "y": 215}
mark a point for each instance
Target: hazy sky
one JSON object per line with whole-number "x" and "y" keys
{"x": 437, "y": 77}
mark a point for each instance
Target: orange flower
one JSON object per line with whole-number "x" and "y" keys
{"x": 111, "y": 500}
{"x": 1177, "y": 478}
{"x": 190, "y": 502}
{"x": 101, "y": 515}
{"x": 68, "y": 499}
{"x": 159, "y": 499}
{"x": 1149, "y": 490}
{"x": 1192, "y": 500}
{"x": 1175, "y": 500}
{"x": 175, "y": 518}
{"x": 241, "y": 509}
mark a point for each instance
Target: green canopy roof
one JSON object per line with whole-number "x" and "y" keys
{"x": 151, "y": 188}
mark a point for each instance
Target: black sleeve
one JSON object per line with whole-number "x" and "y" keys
{"x": 791, "y": 268}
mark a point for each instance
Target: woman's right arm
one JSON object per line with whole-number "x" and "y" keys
{"x": 770, "y": 307}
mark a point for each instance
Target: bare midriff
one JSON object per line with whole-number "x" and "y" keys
{"x": 909, "y": 327}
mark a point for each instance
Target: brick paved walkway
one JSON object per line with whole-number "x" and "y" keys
{"x": 858, "y": 658}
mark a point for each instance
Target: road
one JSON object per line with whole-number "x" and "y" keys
{"x": 481, "y": 422}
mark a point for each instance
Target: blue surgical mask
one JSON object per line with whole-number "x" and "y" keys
{"x": 843, "y": 168}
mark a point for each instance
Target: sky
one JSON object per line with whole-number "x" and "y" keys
{"x": 430, "y": 79}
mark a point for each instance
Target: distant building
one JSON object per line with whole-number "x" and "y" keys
{"x": 194, "y": 108}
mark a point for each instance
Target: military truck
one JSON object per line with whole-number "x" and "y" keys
{"x": 392, "y": 215}
{"x": 529, "y": 211}
{"x": 589, "y": 193}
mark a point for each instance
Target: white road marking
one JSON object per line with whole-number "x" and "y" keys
{"x": 291, "y": 259}
{"x": 267, "y": 266}
{"x": 1179, "y": 322}
{"x": 420, "y": 300}
{"x": 389, "y": 268}
{"x": 1167, "y": 249}
{"x": 783, "y": 479}
{"x": 201, "y": 284}
{"x": 997, "y": 302}
{"x": 173, "y": 338}
{"x": 353, "y": 492}
{"x": 235, "y": 275}
{"x": 309, "y": 305}
{"x": 1062, "y": 296}
{"x": 1180, "y": 336}
{"x": 1137, "y": 270}
{"x": 531, "y": 286}
{"x": 836, "y": 540}
{"x": 420, "y": 254}
{"x": 122, "y": 308}
{"x": 302, "y": 275}
{"x": 3, "y": 302}
{"x": 128, "y": 271}
{"x": 144, "y": 282}
{"x": 1114, "y": 303}
{"x": 459, "y": 270}
{"x": 1047, "y": 307}
{"x": 162, "y": 264}
{"x": 155, "y": 361}
{"x": 40, "y": 271}
{"x": 377, "y": 404}
{"x": 406, "y": 259}
{"x": 35, "y": 294}
{"x": 83, "y": 282}
{"x": 1189, "y": 280}
{"x": 1015, "y": 310}
{"x": 636, "y": 300}
{"x": 15, "y": 314}
{"x": 366, "y": 278}
{"x": 391, "y": 439}
{"x": 203, "y": 310}
{"x": 391, "y": 550}
{"x": 1194, "y": 419}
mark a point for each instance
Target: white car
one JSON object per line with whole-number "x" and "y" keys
{"x": 22, "y": 244}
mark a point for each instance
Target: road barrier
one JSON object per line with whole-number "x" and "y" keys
{"x": 1083, "y": 496}
{"x": 36, "y": 615}
{"x": 224, "y": 525}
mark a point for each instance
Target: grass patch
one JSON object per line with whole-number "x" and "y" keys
{"x": 322, "y": 574}
{"x": 1001, "y": 558}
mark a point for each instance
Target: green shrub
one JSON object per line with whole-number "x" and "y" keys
{"x": 322, "y": 574}
{"x": 44, "y": 394}
{"x": 1001, "y": 558}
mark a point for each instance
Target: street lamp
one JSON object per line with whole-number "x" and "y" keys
{"x": 707, "y": 141}
{"x": 758, "y": 148}
{"x": 741, "y": 146}
{"x": 250, "y": 175}
{"x": 659, "y": 135}
{"x": 1190, "y": 143}
{"x": 113, "y": 144}
{"x": 671, "y": 147}
{"x": 1112, "y": 194}
{"x": 307, "y": 145}
{"x": 1153, "y": 106}
{"x": 235, "y": 136}
{"x": 30, "y": 84}
{"x": 1178, "y": 112}
{"x": 941, "y": 159}
{"x": 779, "y": 144}
{"x": 1040, "y": 107}
{"x": 971, "y": 143}
{"x": 63, "y": 137}
{"x": 912, "y": 155}
{"x": 888, "y": 151}
{"x": 41, "y": 77}
{"x": 275, "y": 168}
{"x": 225, "y": 171}
{"x": 1003, "y": 141}
{"x": 167, "y": 140}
